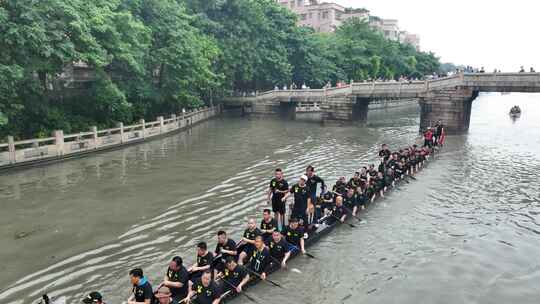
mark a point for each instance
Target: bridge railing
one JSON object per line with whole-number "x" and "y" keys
{"x": 525, "y": 82}
{"x": 528, "y": 82}
{"x": 439, "y": 83}
{"x": 338, "y": 90}
{"x": 60, "y": 146}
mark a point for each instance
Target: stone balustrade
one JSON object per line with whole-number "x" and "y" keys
{"x": 59, "y": 146}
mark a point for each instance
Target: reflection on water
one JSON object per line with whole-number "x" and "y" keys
{"x": 465, "y": 232}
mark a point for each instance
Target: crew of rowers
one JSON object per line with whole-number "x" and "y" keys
{"x": 270, "y": 245}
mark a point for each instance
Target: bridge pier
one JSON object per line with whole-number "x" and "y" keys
{"x": 360, "y": 109}
{"x": 452, "y": 106}
{"x": 287, "y": 110}
{"x": 344, "y": 109}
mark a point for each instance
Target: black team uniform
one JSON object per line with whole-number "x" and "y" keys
{"x": 312, "y": 185}
{"x": 384, "y": 154}
{"x": 260, "y": 260}
{"x": 143, "y": 291}
{"x": 205, "y": 295}
{"x": 340, "y": 187}
{"x": 230, "y": 245}
{"x": 278, "y": 250}
{"x": 354, "y": 183}
{"x": 272, "y": 225}
{"x": 234, "y": 278}
{"x": 350, "y": 201}
{"x": 277, "y": 205}
{"x": 202, "y": 261}
{"x": 293, "y": 237}
{"x": 250, "y": 235}
{"x": 327, "y": 201}
{"x": 179, "y": 276}
{"x": 301, "y": 195}
{"x": 337, "y": 213}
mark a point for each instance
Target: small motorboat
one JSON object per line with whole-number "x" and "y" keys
{"x": 515, "y": 112}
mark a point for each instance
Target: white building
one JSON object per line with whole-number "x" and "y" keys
{"x": 325, "y": 17}
{"x": 322, "y": 17}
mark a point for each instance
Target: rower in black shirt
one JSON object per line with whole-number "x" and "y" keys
{"x": 412, "y": 164}
{"x": 225, "y": 248}
{"x": 339, "y": 212}
{"x": 380, "y": 184}
{"x": 279, "y": 249}
{"x": 234, "y": 276}
{"x": 176, "y": 280}
{"x": 384, "y": 153}
{"x": 204, "y": 289}
{"x": 327, "y": 199}
{"x": 363, "y": 176}
{"x": 276, "y": 194}
{"x": 355, "y": 181}
{"x": 142, "y": 292}
{"x": 371, "y": 191}
{"x": 361, "y": 197}
{"x": 371, "y": 171}
{"x": 294, "y": 235}
{"x": 340, "y": 187}
{"x": 301, "y": 200}
{"x": 392, "y": 161}
{"x": 350, "y": 200}
{"x": 399, "y": 171}
{"x": 260, "y": 258}
{"x": 439, "y": 129}
{"x": 247, "y": 244}
{"x": 312, "y": 181}
{"x": 268, "y": 225}
{"x": 204, "y": 262}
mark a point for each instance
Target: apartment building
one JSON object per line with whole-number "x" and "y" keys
{"x": 326, "y": 17}
{"x": 322, "y": 17}
{"x": 412, "y": 39}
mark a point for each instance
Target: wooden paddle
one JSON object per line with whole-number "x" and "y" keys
{"x": 242, "y": 293}
{"x": 265, "y": 280}
{"x": 339, "y": 220}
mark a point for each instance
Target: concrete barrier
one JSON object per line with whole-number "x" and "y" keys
{"x": 29, "y": 152}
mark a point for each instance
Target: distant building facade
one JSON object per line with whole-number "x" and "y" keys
{"x": 326, "y": 17}
{"x": 322, "y": 17}
{"x": 412, "y": 39}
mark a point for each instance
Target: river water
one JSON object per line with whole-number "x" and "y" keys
{"x": 466, "y": 231}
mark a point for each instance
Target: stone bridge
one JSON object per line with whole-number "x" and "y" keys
{"x": 448, "y": 99}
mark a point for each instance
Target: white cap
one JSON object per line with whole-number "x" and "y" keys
{"x": 304, "y": 177}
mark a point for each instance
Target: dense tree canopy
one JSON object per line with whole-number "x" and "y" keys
{"x": 143, "y": 58}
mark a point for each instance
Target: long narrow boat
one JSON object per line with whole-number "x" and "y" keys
{"x": 313, "y": 238}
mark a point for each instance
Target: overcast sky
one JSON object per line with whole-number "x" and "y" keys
{"x": 491, "y": 33}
